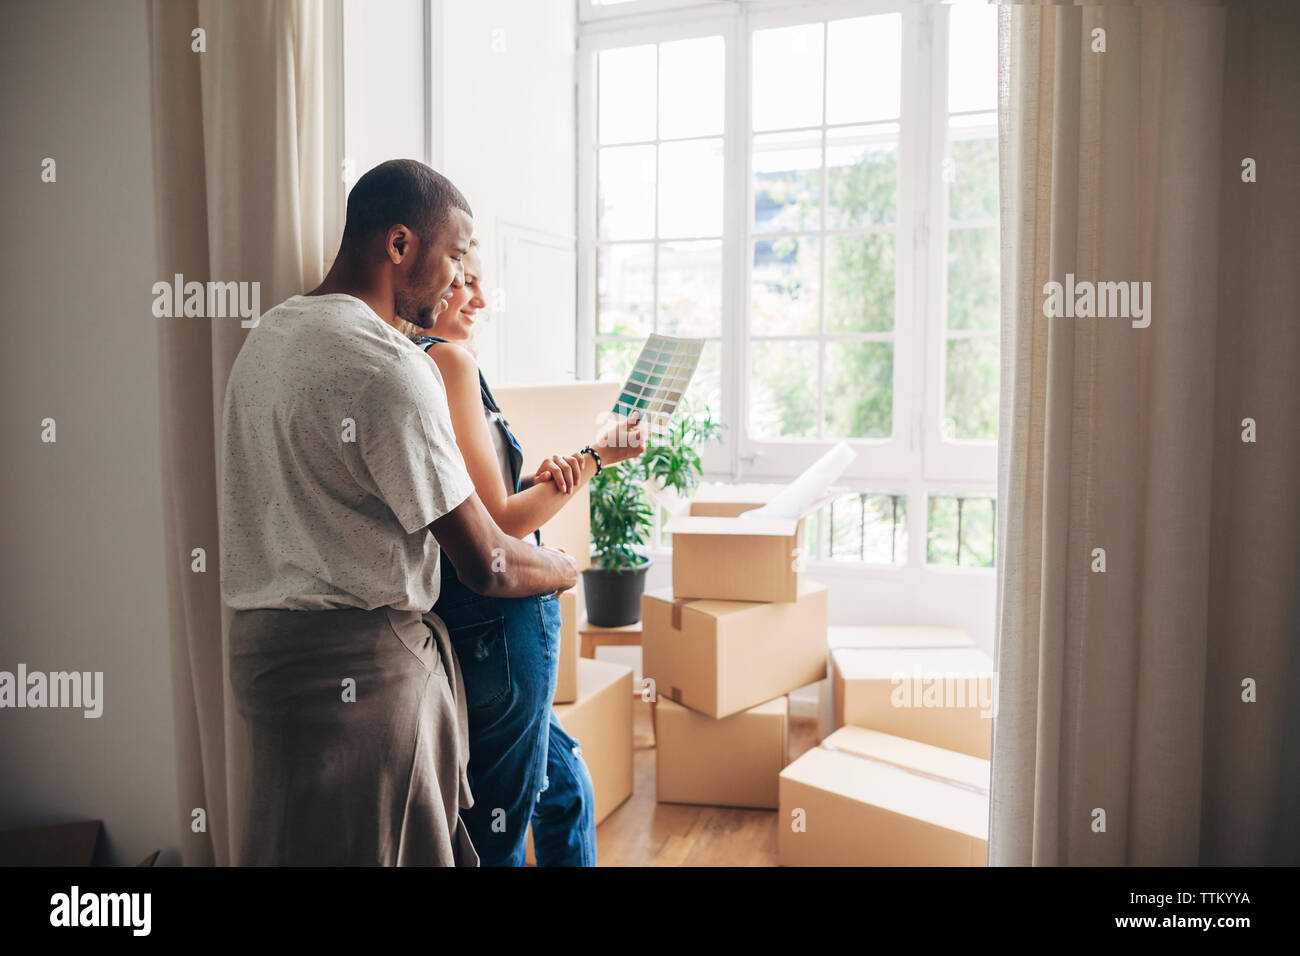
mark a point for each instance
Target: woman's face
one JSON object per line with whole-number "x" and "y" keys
{"x": 456, "y": 321}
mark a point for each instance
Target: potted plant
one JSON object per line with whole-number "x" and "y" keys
{"x": 621, "y": 513}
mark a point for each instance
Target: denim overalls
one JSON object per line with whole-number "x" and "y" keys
{"x": 522, "y": 765}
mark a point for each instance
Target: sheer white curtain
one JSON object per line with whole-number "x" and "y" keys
{"x": 240, "y": 188}
{"x": 1121, "y": 691}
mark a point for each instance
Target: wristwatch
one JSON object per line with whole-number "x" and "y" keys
{"x": 592, "y": 452}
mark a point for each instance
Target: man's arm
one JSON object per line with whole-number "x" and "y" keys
{"x": 490, "y": 562}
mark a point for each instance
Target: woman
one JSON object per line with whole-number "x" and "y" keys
{"x": 522, "y": 766}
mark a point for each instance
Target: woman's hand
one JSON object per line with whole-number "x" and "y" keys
{"x": 622, "y": 440}
{"x": 564, "y": 470}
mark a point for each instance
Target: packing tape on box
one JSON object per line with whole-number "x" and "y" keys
{"x": 677, "y": 613}
{"x": 938, "y": 777}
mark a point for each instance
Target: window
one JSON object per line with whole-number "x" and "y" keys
{"x": 825, "y": 107}
{"x": 864, "y": 527}
{"x": 659, "y": 181}
{"x": 961, "y": 531}
{"x": 968, "y": 247}
{"x": 812, "y": 188}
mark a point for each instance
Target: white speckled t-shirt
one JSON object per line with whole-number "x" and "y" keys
{"x": 337, "y": 453}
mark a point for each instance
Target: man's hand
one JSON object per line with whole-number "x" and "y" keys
{"x": 568, "y": 565}
{"x": 622, "y": 440}
{"x": 491, "y": 562}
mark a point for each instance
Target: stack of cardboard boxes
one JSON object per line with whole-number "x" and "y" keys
{"x": 738, "y": 630}
{"x": 902, "y": 773}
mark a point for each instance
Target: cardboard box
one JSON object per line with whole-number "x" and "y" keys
{"x": 732, "y": 762}
{"x": 601, "y": 721}
{"x": 934, "y": 695}
{"x": 717, "y": 500}
{"x": 65, "y": 844}
{"x": 559, "y": 418}
{"x": 722, "y": 657}
{"x": 886, "y": 636}
{"x": 566, "y": 678}
{"x": 897, "y": 636}
{"x": 865, "y": 798}
{"x": 736, "y": 559}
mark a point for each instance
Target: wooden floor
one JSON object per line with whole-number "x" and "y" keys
{"x": 642, "y": 832}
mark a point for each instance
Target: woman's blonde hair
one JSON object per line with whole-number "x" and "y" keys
{"x": 409, "y": 329}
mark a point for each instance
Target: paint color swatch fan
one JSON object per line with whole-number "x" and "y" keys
{"x": 659, "y": 377}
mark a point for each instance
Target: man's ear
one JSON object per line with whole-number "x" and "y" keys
{"x": 400, "y": 243}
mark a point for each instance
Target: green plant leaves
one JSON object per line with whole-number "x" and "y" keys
{"x": 620, "y": 509}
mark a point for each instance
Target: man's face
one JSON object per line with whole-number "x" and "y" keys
{"x": 420, "y": 287}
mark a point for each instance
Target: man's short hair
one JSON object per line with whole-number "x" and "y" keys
{"x": 402, "y": 191}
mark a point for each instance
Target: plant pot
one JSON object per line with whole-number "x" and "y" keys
{"x": 614, "y": 597}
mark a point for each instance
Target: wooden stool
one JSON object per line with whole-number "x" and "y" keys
{"x": 629, "y": 635}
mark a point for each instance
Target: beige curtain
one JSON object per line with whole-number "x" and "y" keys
{"x": 1121, "y": 692}
{"x": 240, "y": 190}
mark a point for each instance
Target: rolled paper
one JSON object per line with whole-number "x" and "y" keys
{"x": 807, "y": 492}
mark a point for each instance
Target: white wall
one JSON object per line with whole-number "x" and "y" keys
{"x": 504, "y": 99}
{"x": 495, "y": 113}
{"x": 384, "y": 93}
{"x": 83, "y": 575}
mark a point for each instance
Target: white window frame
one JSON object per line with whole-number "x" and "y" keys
{"x": 971, "y": 462}
{"x": 916, "y": 460}
{"x": 589, "y": 11}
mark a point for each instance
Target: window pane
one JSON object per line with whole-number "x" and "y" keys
{"x": 690, "y": 193}
{"x": 859, "y": 394}
{"x": 615, "y": 359}
{"x": 961, "y": 531}
{"x": 941, "y": 532}
{"x": 972, "y": 57}
{"x": 691, "y": 76}
{"x": 860, "y": 283}
{"x": 690, "y": 288}
{"x": 786, "y": 282}
{"x": 866, "y": 526}
{"x": 626, "y": 201}
{"x": 787, "y": 72}
{"x": 970, "y": 404}
{"x": 625, "y": 289}
{"x": 973, "y": 294}
{"x": 783, "y": 389}
{"x": 626, "y": 98}
{"x": 977, "y": 533}
{"x": 845, "y": 530}
{"x": 863, "y": 68}
{"x": 787, "y": 181}
{"x": 862, "y": 176}
{"x": 705, "y": 389}
{"x": 973, "y": 179}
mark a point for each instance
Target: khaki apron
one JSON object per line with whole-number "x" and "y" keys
{"x": 378, "y": 780}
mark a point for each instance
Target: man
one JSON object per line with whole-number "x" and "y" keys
{"x": 341, "y": 481}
